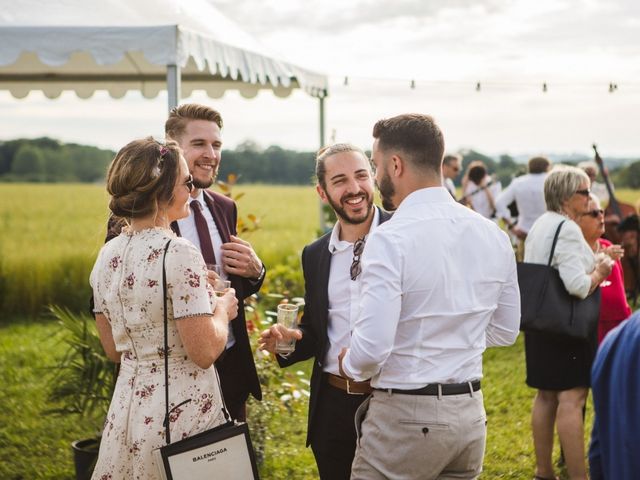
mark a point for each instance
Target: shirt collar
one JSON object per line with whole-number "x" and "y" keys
{"x": 200, "y": 198}
{"x": 426, "y": 195}
{"x": 337, "y": 245}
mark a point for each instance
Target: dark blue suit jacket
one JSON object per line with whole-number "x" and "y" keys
{"x": 614, "y": 453}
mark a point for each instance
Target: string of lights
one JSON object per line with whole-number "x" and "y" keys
{"x": 478, "y": 86}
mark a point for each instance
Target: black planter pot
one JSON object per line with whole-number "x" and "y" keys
{"x": 85, "y": 454}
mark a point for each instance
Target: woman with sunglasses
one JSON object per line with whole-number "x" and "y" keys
{"x": 149, "y": 184}
{"x": 613, "y": 304}
{"x": 559, "y": 367}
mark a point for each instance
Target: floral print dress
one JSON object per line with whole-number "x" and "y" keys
{"x": 127, "y": 287}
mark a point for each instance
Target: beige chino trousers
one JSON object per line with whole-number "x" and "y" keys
{"x": 420, "y": 437}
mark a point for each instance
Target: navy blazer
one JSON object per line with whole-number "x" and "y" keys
{"x": 316, "y": 264}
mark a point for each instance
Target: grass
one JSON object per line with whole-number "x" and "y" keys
{"x": 51, "y": 234}
{"x": 35, "y": 445}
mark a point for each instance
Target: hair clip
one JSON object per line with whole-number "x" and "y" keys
{"x": 163, "y": 151}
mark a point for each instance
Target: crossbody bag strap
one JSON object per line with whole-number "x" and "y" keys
{"x": 166, "y": 422}
{"x": 555, "y": 240}
{"x": 166, "y": 345}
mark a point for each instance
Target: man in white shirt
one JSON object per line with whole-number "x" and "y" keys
{"x": 451, "y": 165}
{"x": 439, "y": 285}
{"x": 331, "y": 267}
{"x": 527, "y": 192}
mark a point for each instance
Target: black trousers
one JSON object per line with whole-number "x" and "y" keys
{"x": 334, "y": 434}
{"x": 235, "y": 393}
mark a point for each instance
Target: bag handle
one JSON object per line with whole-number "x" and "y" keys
{"x": 225, "y": 412}
{"x": 553, "y": 245}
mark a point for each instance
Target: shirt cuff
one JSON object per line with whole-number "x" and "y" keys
{"x": 255, "y": 281}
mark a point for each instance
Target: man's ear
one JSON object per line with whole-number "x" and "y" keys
{"x": 397, "y": 165}
{"x": 322, "y": 193}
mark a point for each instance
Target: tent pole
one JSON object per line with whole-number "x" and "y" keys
{"x": 322, "y": 139}
{"x": 323, "y": 225}
{"x": 173, "y": 85}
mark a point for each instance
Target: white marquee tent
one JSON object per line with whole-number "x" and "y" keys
{"x": 145, "y": 45}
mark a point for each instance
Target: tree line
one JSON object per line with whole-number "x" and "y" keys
{"x": 48, "y": 160}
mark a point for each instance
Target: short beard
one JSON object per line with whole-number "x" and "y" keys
{"x": 387, "y": 190}
{"x": 341, "y": 212}
{"x": 205, "y": 184}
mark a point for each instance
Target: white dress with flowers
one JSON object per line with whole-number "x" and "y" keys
{"x": 127, "y": 286}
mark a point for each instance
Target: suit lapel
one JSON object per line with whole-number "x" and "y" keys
{"x": 224, "y": 229}
{"x": 324, "y": 268}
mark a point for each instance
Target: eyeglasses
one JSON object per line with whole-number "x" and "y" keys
{"x": 189, "y": 183}
{"x": 356, "y": 268}
{"x": 594, "y": 213}
{"x": 586, "y": 192}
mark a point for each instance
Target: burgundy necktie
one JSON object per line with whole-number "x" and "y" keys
{"x": 204, "y": 236}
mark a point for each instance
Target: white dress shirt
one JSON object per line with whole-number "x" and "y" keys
{"x": 573, "y": 257}
{"x": 480, "y": 200}
{"x": 343, "y": 294}
{"x": 189, "y": 231}
{"x": 528, "y": 193}
{"x": 439, "y": 285}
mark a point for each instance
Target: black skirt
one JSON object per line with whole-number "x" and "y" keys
{"x": 558, "y": 363}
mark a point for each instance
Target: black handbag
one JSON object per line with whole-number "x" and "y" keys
{"x": 547, "y": 307}
{"x": 223, "y": 452}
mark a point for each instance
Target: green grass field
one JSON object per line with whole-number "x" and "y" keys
{"x": 49, "y": 237}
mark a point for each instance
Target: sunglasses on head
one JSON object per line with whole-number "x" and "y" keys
{"x": 595, "y": 213}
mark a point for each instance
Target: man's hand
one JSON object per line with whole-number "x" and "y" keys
{"x": 268, "y": 338}
{"x": 520, "y": 234}
{"x": 239, "y": 258}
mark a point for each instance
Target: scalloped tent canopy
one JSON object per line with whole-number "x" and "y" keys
{"x": 145, "y": 45}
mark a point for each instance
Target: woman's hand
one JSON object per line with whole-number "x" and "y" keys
{"x": 604, "y": 264}
{"x": 615, "y": 252}
{"x": 229, "y": 303}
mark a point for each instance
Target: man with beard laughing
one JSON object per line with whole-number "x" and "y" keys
{"x": 331, "y": 268}
{"x": 211, "y": 226}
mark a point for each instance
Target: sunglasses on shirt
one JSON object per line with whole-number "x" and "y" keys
{"x": 356, "y": 268}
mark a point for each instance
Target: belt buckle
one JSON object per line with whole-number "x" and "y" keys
{"x": 349, "y": 389}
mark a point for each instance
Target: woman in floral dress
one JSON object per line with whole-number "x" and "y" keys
{"x": 149, "y": 184}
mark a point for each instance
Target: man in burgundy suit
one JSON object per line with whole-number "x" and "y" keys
{"x": 212, "y": 227}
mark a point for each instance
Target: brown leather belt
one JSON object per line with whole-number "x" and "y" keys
{"x": 349, "y": 386}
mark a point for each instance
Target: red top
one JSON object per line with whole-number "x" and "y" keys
{"x": 613, "y": 306}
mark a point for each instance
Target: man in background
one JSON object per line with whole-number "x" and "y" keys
{"x": 527, "y": 192}
{"x": 331, "y": 268}
{"x": 451, "y": 165}
{"x": 439, "y": 285}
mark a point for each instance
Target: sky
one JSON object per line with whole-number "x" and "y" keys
{"x": 511, "y": 47}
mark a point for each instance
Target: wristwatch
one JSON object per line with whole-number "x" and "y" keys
{"x": 260, "y": 277}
